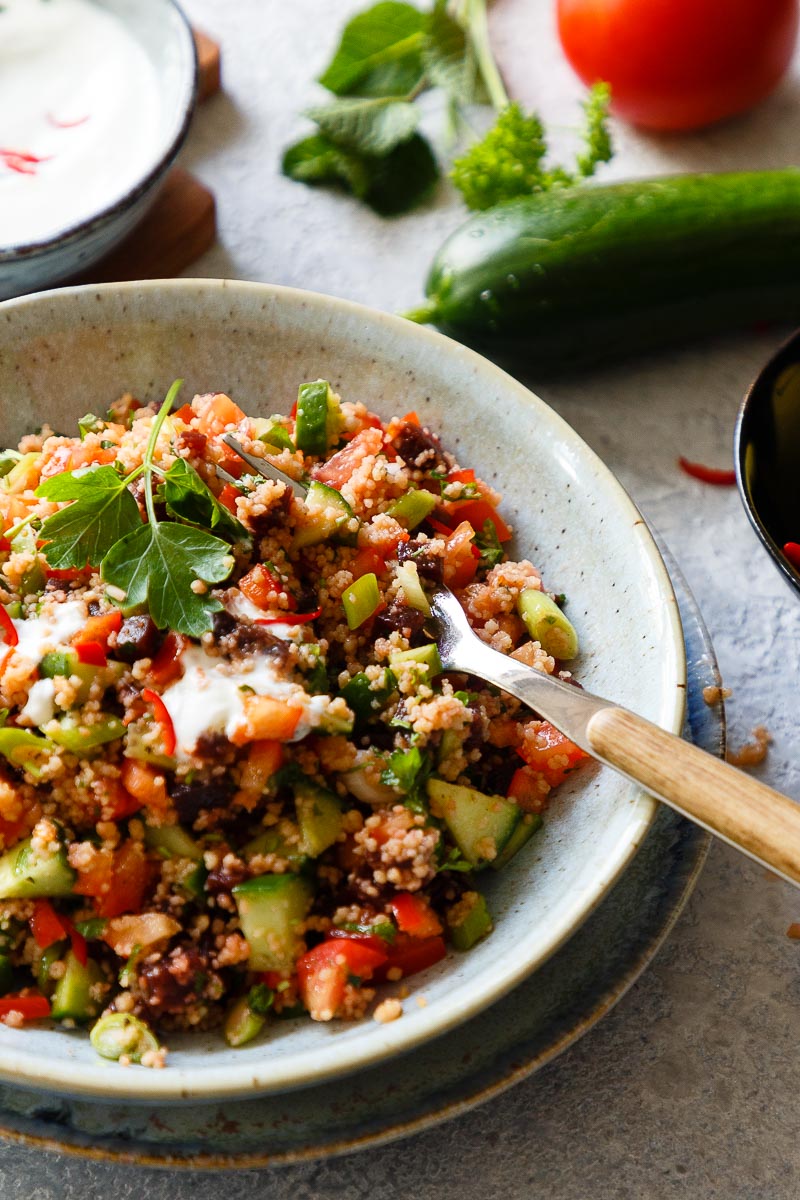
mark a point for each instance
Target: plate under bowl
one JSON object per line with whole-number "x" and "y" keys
{"x": 64, "y": 352}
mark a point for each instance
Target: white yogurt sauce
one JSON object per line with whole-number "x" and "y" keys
{"x": 207, "y": 700}
{"x": 79, "y": 115}
{"x": 41, "y": 704}
{"x": 37, "y": 635}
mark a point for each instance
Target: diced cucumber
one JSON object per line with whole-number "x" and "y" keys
{"x": 426, "y": 657}
{"x": 25, "y": 749}
{"x": 6, "y": 975}
{"x": 44, "y": 979}
{"x": 18, "y": 478}
{"x": 318, "y": 420}
{"x": 270, "y": 841}
{"x": 547, "y": 624}
{"x": 271, "y": 909}
{"x": 118, "y": 1034}
{"x": 81, "y": 739}
{"x": 67, "y": 664}
{"x": 26, "y": 874}
{"x": 137, "y": 747}
{"x": 8, "y": 459}
{"x": 73, "y": 995}
{"x": 247, "y": 1017}
{"x": 407, "y": 576}
{"x": 411, "y": 509}
{"x": 480, "y": 825}
{"x": 361, "y": 599}
{"x": 326, "y": 512}
{"x": 319, "y": 814}
{"x": 473, "y": 923}
{"x": 272, "y": 433}
{"x": 525, "y": 830}
{"x": 172, "y": 842}
{"x": 363, "y": 698}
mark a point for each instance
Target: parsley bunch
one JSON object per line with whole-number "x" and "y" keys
{"x": 367, "y": 139}
{"x": 153, "y": 563}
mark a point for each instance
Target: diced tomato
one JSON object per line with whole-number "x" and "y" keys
{"x": 262, "y": 587}
{"x": 161, "y": 714}
{"x": 410, "y": 418}
{"x": 100, "y": 628}
{"x": 91, "y": 653}
{"x": 217, "y": 414}
{"x": 525, "y": 791}
{"x": 464, "y": 475}
{"x": 367, "y": 562}
{"x": 265, "y": 717}
{"x": 12, "y": 831}
{"x": 228, "y": 497}
{"x": 341, "y": 465}
{"x": 32, "y": 1007}
{"x": 74, "y": 455}
{"x": 66, "y": 574}
{"x": 118, "y": 803}
{"x": 460, "y": 556}
{"x": 117, "y": 880}
{"x": 185, "y": 413}
{"x": 324, "y": 972}
{"x": 46, "y": 925}
{"x": 549, "y": 753}
{"x": 478, "y": 512}
{"x": 370, "y": 940}
{"x": 410, "y": 955}
{"x": 264, "y": 758}
{"x": 440, "y": 526}
{"x": 166, "y": 667}
{"x": 146, "y": 783}
{"x": 415, "y": 916}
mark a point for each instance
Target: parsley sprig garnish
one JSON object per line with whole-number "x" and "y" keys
{"x": 154, "y": 564}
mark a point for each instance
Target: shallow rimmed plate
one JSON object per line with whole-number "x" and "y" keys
{"x": 63, "y": 352}
{"x": 510, "y": 1041}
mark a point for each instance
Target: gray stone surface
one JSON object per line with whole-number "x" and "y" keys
{"x": 689, "y": 1087}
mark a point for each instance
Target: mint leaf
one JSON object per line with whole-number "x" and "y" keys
{"x": 103, "y": 512}
{"x": 370, "y": 126}
{"x": 449, "y": 59}
{"x": 391, "y": 184}
{"x": 157, "y": 565}
{"x": 408, "y": 771}
{"x": 488, "y": 543}
{"x": 189, "y": 498}
{"x": 380, "y": 52}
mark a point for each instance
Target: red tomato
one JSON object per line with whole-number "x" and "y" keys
{"x": 409, "y": 955}
{"x": 262, "y": 587}
{"x": 100, "y": 628}
{"x": 166, "y": 667}
{"x": 460, "y": 556}
{"x": 478, "y": 512}
{"x": 117, "y": 880}
{"x": 91, "y": 653}
{"x": 415, "y": 916}
{"x": 679, "y": 64}
{"x": 550, "y": 754}
{"x": 524, "y": 790}
{"x": 341, "y": 465}
{"x": 31, "y": 1007}
{"x": 323, "y": 973}
{"x": 228, "y": 496}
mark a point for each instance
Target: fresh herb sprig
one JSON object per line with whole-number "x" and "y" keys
{"x": 367, "y": 139}
{"x": 154, "y": 564}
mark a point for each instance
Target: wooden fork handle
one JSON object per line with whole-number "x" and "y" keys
{"x": 737, "y": 808}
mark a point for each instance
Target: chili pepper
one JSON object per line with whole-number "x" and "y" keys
{"x": 792, "y": 551}
{"x": 715, "y": 475}
{"x": 289, "y": 618}
{"x": 31, "y": 1007}
{"x": 161, "y": 714}
{"x": 91, "y": 653}
{"x": 7, "y": 627}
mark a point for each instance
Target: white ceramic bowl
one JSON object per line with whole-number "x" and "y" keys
{"x": 163, "y": 32}
{"x": 64, "y": 352}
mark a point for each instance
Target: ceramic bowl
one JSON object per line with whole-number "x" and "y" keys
{"x": 63, "y": 352}
{"x": 163, "y": 31}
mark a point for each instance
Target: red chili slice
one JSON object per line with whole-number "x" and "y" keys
{"x": 290, "y": 618}
{"x": 10, "y": 635}
{"x": 715, "y": 475}
{"x": 161, "y": 714}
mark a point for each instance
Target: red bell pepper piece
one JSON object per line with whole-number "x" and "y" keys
{"x": 324, "y": 972}
{"x": 91, "y": 653}
{"x": 32, "y": 1007}
{"x": 415, "y": 916}
{"x": 161, "y": 714}
{"x": 46, "y": 925}
{"x": 410, "y": 955}
{"x": 228, "y": 497}
{"x": 10, "y": 635}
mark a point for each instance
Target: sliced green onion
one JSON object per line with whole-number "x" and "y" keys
{"x": 361, "y": 600}
{"x": 411, "y": 509}
{"x": 119, "y": 1034}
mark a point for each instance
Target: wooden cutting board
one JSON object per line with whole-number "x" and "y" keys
{"x": 181, "y": 225}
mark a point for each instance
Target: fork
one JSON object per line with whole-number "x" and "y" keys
{"x": 742, "y": 811}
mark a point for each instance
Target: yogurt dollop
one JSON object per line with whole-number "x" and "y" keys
{"x": 79, "y": 115}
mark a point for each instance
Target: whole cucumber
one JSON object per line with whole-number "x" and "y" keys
{"x": 585, "y": 273}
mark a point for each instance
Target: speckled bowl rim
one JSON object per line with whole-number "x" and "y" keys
{"x": 106, "y": 215}
{"x": 214, "y": 1083}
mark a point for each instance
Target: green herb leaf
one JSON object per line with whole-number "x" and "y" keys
{"x": 505, "y": 164}
{"x": 390, "y": 184}
{"x": 453, "y": 860}
{"x": 260, "y": 999}
{"x": 380, "y": 52}
{"x": 449, "y": 58}
{"x": 157, "y": 565}
{"x": 408, "y": 770}
{"x": 596, "y": 135}
{"x": 488, "y": 543}
{"x": 369, "y": 126}
{"x": 103, "y": 512}
{"x": 188, "y": 498}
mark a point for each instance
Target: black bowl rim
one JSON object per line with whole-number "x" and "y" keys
{"x": 788, "y": 351}
{"x": 106, "y": 215}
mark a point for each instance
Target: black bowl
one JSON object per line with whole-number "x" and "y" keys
{"x": 767, "y": 454}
